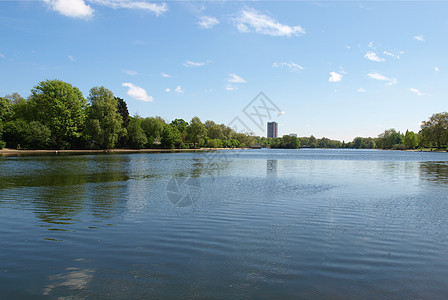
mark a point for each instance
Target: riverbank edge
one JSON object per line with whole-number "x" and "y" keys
{"x": 15, "y": 151}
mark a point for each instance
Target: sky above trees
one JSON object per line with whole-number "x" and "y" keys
{"x": 337, "y": 69}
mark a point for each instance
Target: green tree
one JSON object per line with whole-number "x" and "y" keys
{"x": 6, "y": 107}
{"x": 196, "y": 131}
{"x": 136, "y": 136}
{"x": 389, "y": 139}
{"x": 153, "y": 128}
{"x": 435, "y": 130}
{"x": 410, "y": 139}
{"x": 170, "y": 137}
{"x": 122, "y": 109}
{"x": 61, "y": 107}
{"x": 37, "y": 136}
{"x": 15, "y": 132}
{"x": 180, "y": 124}
{"x": 105, "y": 123}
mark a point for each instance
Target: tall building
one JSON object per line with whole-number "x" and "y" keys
{"x": 272, "y": 129}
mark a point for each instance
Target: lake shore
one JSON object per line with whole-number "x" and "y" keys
{"x": 9, "y": 151}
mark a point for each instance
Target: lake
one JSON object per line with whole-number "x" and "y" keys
{"x": 258, "y": 224}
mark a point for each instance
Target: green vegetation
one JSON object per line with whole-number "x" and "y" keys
{"x": 57, "y": 116}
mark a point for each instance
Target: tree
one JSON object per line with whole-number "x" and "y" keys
{"x": 61, "y": 107}
{"x": 170, "y": 137}
{"x": 122, "y": 109}
{"x": 153, "y": 128}
{"x": 389, "y": 138}
{"x": 37, "y": 136}
{"x": 136, "y": 136}
{"x": 410, "y": 139}
{"x": 15, "y": 132}
{"x": 180, "y": 124}
{"x": 6, "y": 107}
{"x": 196, "y": 131}
{"x": 105, "y": 123}
{"x": 435, "y": 130}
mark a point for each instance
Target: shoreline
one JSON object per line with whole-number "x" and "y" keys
{"x": 78, "y": 151}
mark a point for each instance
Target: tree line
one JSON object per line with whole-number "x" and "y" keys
{"x": 433, "y": 134}
{"x": 57, "y": 116}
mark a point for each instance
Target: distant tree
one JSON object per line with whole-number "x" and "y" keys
{"x": 37, "y": 136}
{"x": 389, "y": 138}
{"x": 410, "y": 139}
{"x": 153, "y": 128}
{"x": 59, "y": 106}
{"x": 180, "y": 124}
{"x": 196, "y": 131}
{"x": 105, "y": 123}
{"x": 122, "y": 109}
{"x": 170, "y": 137}
{"x": 15, "y": 132}
{"x": 137, "y": 137}
{"x": 312, "y": 142}
{"x": 214, "y": 143}
{"x": 6, "y": 107}
{"x": 435, "y": 130}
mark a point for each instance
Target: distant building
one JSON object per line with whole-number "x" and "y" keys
{"x": 293, "y": 134}
{"x": 272, "y": 129}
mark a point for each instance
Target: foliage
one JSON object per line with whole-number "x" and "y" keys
{"x": 6, "y": 106}
{"x": 410, "y": 140}
{"x": 38, "y": 136}
{"x": 137, "y": 137}
{"x": 170, "y": 138}
{"x": 153, "y": 128}
{"x": 435, "y": 130}
{"x": 105, "y": 123}
{"x": 196, "y": 131}
{"x": 59, "y": 106}
{"x": 389, "y": 138}
{"x": 122, "y": 109}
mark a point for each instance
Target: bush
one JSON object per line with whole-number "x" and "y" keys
{"x": 2, "y": 144}
{"x": 400, "y": 147}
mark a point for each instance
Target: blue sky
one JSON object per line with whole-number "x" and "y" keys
{"x": 336, "y": 69}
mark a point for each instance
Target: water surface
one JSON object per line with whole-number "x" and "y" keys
{"x": 334, "y": 224}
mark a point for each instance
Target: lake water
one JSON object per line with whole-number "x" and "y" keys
{"x": 255, "y": 224}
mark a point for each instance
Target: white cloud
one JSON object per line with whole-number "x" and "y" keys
{"x": 362, "y": 90}
{"x": 335, "y": 77}
{"x": 130, "y": 72}
{"x": 167, "y": 90}
{"x": 71, "y": 58}
{"x": 233, "y": 78}
{"x": 156, "y": 8}
{"x": 436, "y": 69}
{"x": 207, "y": 22}
{"x": 165, "y": 75}
{"x": 419, "y": 38}
{"x": 417, "y": 92}
{"x": 71, "y": 8}
{"x": 137, "y": 92}
{"x": 250, "y": 19}
{"x": 230, "y": 87}
{"x": 293, "y": 67}
{"x": 377, "y": 76}
{"x": 190, "y": 64}
{"x": 370, "y": 55}
{"x": 179, "y": 90}
{"x": 371, "y": 45}
{"x": 394, "y": 55}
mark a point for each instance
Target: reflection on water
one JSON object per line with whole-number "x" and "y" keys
{"x": 436, "y": 172}
{"x": 252, "y": 224}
